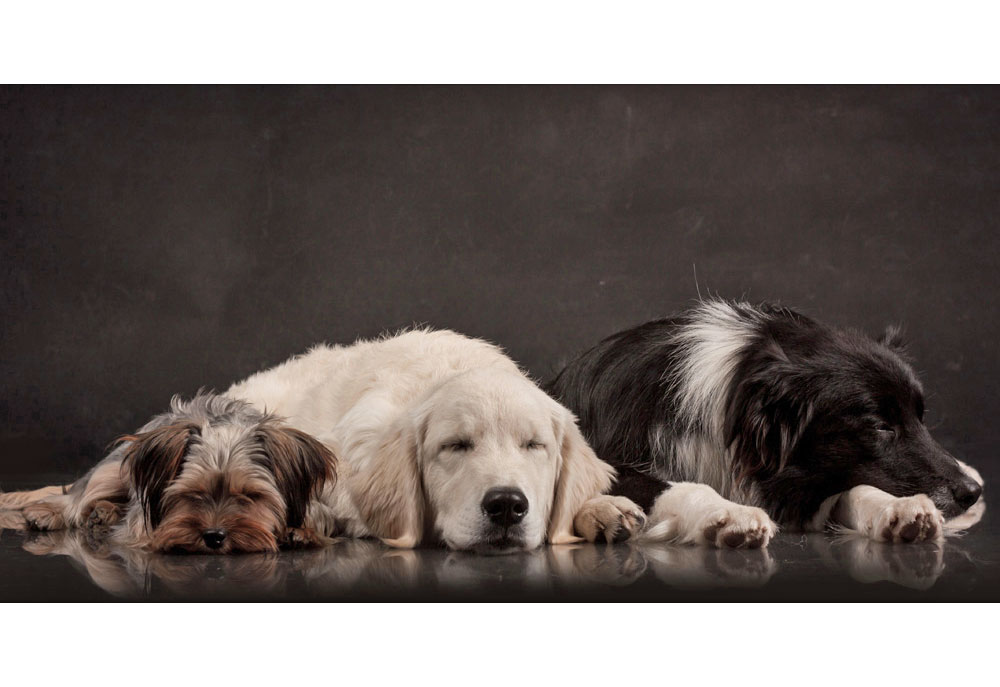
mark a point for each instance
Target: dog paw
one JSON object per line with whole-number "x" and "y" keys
{"x": 612, "y": 519}
{"x": 12, "y": 520}
{"x": 738, "y": 527}
{"x": 302, "y": 538}
{"x": 43, "y": 516}
{"x": 103, "y": 514}
{"x": 910, "y": 519}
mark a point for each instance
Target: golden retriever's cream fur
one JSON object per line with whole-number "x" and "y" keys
{"x": 424, "y": 424}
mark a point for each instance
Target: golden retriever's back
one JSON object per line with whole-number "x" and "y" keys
{"x": 402, "y": 367}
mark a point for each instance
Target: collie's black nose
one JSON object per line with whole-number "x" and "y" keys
{"x": 505, "y": 506}
{"x": 214, "y": 538}
{"x": 966, "y": 493}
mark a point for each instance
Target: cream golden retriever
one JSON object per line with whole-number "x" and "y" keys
{"x": 443, "y": 439}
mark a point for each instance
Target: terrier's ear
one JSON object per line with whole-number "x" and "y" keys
{"x": 301, "y": 464}
{"x": 153, "y": 460}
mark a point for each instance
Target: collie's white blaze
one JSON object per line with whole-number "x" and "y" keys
{"x": 710, "y": 350}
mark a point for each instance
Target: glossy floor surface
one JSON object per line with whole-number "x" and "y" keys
{"x": 75, "y": 566}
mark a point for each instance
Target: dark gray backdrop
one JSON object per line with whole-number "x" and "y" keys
{"x": 155, "y": 240}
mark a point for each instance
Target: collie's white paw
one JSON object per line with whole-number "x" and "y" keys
{"x": 737, "y": 527}
{"x": 690, "y": 513}
{"x": 910, "y": 519}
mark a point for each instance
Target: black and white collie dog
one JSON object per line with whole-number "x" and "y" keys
{"x": 791, "y": 419}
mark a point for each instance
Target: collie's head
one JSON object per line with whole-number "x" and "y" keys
{"x": 216, "y": 476}
{"x": 814, "y": 410}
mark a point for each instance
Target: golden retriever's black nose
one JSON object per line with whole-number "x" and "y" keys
{"x": 214, "y": 538}
{"x": 966, "y": 493}
{"x": 505, "y": 506}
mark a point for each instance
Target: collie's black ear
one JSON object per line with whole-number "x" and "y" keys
{"x": 767, "y": 413}
{"x": 152, "y": 461}
{"x": 301, "y": 465}
{"x": 893, "y": 338}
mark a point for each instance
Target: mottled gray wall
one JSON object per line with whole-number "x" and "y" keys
{"x": 155, "y": 240}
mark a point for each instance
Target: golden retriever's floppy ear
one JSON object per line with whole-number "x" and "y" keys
{"x": 388, "y": 490}
{"x": 582, "y": 476}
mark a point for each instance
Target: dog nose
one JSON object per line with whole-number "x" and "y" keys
{"x": 966, "y": 493}
{"x": 214, "y": 538}
{"x": 505, "y": 506}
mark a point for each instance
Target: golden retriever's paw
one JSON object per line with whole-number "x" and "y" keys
{"x": 910, "y": 519}
{"x": 43, "y": 516}
{"x": 738, "y": 527}
{"x": 611, "y": 519}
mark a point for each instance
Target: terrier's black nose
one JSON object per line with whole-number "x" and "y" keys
{"x": 214, "y": 538}
{"x": 505, "y": 506}
{"x": 966, "y": 493}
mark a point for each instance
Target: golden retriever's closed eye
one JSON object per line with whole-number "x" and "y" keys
{"x": 441, "y": 438}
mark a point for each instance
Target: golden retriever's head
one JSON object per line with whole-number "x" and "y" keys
{"x": 486, "y": 462}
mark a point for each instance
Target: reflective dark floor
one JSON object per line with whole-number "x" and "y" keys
{"x": 74, "y": 566}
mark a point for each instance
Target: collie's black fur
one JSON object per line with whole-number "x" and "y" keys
{"x": 766, "y": 405}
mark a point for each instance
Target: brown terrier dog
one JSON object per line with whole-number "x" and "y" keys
{"x": 211, "y": 475}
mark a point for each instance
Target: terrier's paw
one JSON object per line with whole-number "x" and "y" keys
{"x": 303, "y": 538}
{"x": 910, "y": 519}
{"x": 12, "y": 520}
{"x": 103, "y": 514}
{"x": 43, "y": 516}
{"x": 612, "y": 519}
{"x": 734, "y": 526}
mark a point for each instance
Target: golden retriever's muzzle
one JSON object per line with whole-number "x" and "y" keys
{"x": 504, "y": 508}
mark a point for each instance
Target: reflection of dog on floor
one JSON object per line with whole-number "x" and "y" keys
{"x": 700, "y": 567}
{"x": 365, "y": 565}
{"x": 128, "y": 572}
{"x": 867, "y": 561}
{"x": 211, "y": 475}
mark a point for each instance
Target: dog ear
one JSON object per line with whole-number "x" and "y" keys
{"x": 893, "y": 338}
{"x": 767, "y": 414}
{"x": 152, "y": 461}
{"x": 581, "y": 477}
{"x": 387, "y": 487}
{"x": 302, "y": 465}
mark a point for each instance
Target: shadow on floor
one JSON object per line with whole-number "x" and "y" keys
{"x": 795, "y": 567}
